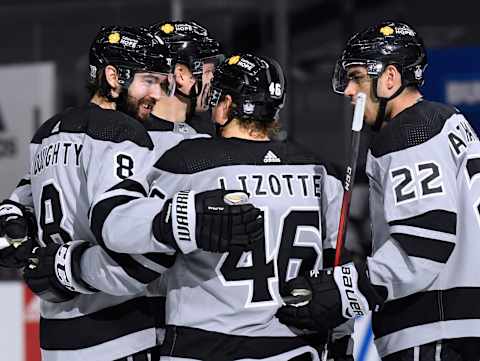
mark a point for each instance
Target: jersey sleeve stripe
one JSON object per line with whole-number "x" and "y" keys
{"x": 424, "y": 307}
{"x": 190, "y": 343}
{"x": 134, "y": 269}
{"x": 436, "y": 220}
{"x": 473, "y": 167}
{"x": 131, "y": 186}
{"x": 23, "y": 182}
{"x": 100, "y": 212}
{"x": 432, "y": 249}
{"x": 162, "y": 259}
{"x": 426, "y": 233}
{"x": 147, "y": 263}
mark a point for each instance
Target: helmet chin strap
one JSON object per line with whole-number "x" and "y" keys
{"x": 192, "y": 97}
{"x": 383, "y": 105}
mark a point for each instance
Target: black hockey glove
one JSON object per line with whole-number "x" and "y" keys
{"x": 337, "y": 295}
{"x": 215, "y": 221}
{"x": 53, "y": 272}
{"x": 18, "y": 227}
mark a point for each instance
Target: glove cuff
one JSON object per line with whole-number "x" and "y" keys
{"x": 8, "y": 207}
{"x": 183, "y": 218}
{"x": 67, "y": 267}
{"x": 354, "y": 303}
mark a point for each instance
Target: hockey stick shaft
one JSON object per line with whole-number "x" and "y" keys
{"x": 348, "y": 183}
{"x": 357, "y": 124}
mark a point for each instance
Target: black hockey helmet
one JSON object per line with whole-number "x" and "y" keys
{"x": 129, "y": 49}
{"x": 256, "y": 84}
{"x": 380, "y": 45}
{"x": 189, "y": 43}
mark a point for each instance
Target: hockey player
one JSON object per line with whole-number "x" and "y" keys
{"x": 78, "y": 153}
{"x": 196, "y": 54}
{"x": 126, "y": 61}
{"x": 420, "y": 279}
{"x": 300, "y": 201}
{"x": 191, "y": 49}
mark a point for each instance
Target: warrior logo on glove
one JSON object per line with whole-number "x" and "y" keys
{"x": 214, "y": 221}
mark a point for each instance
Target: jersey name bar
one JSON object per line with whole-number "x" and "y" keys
{"x": 261, "y": 185}
{"x": 55, "y": 153}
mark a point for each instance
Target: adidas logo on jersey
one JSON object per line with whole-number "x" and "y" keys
{"x": 271, "y": 157}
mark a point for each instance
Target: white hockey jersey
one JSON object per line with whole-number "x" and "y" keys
{"x": 232, "y": 295}
{"x": 424, "y": 195}
{"x": 101, "y": 269}
{"x": 74, "y": 156}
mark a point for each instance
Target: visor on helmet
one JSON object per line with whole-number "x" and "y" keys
{"x": 340, "y": 77}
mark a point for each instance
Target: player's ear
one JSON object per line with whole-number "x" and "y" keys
{"x": 184, "y": 78}
{"x": 228, "y": 103}
{"x": 111, "y": 76}
{"x": 222, "y": 109}
{"x": 392, "y": 76}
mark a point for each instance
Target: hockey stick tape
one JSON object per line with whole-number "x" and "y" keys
{"x": 359, "y": 112}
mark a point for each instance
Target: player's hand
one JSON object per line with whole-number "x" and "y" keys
{"x": 337, "y": 294}
{"x": 215, "y": 221}
{"x": 13, "y": 222}
{"x": 319, "y": 310}
{"x": 54, "y": 274}
{"x": 18, "y": 229}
